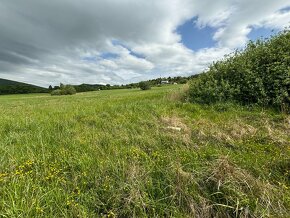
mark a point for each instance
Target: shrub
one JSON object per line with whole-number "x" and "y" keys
{"x": 144, "y": 86}
{"x": 64, "y": 90}
{"x": 56, "y": 92}
{"x": 68, "y": 90}
{"x": 257, "y": 75}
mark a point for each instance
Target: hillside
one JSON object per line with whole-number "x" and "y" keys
{"x": 13, "y": 87}
{"x": 9, "y": 82}
{"x": 133, "y": 153}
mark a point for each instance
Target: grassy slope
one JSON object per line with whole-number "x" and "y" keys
{"x": 109, "y": 153}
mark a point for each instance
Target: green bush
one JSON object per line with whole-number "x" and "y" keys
{"x": 260, "y": 74}
{"x": 68, "y": 90}
{"x": 56, "y": 92}
{"x": 64, "y": 90}
{"x": 144, "y": 86}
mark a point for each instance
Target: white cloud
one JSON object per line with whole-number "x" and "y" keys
{"x": 245, "y": 14}
{"x": 277, "y": 20}
{"x": 47, "y": 42}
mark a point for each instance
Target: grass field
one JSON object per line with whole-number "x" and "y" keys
{"x": 115, "y": 154}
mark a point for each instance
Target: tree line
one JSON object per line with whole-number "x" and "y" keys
{"x": 12, "y": 87}
{"x": 21, "y": 89}
{"x": 142, "y": 84}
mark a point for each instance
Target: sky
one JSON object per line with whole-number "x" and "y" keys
{"x": 125, "y": 41}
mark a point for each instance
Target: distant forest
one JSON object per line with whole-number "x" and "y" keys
{"x": 153, "y": 82}
{"x": 13, "y": 87}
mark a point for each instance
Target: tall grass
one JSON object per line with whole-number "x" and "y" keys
{"x": 111, "y": 154}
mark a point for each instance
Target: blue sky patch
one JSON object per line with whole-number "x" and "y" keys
{"x": 261, "y": 32}
{"x": 109, "y": 55}
{"x": 196, "y": 38}
{"x": 284, "y": 10}
{"x": 136, "y": 54}
{"x": 119, "y": 43}
{"x": 89, "y": 58}
{"x": 104, "y": 55}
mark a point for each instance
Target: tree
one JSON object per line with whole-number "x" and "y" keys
{"x": 56, "y": 92}
{"x": 64, "y": 90}
{"x": 68, "y": 90}
{"x": 144, "y": 86}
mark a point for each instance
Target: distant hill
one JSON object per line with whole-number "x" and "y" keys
{"x": 14, "y": 87}
{"x": 89, "y": 87}
{"x": 10, "y": 82}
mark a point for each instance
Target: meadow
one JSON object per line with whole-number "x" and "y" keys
{"x": 133, "y": 153}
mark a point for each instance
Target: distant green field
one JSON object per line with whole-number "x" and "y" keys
{"x": 133, "y": 153}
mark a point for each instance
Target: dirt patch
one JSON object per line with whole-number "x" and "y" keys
{"x": 177, "y": 128}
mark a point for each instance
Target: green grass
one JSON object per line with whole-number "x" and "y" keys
{"x": 111, "y": 154}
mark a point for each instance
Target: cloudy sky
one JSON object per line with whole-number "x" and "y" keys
{"x": 123, "y": 41}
